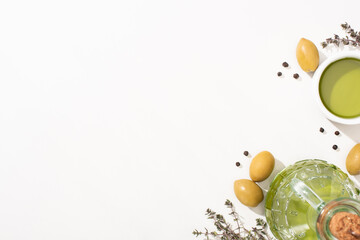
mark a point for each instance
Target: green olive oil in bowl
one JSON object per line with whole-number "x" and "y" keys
{"x": 339, "y": 87}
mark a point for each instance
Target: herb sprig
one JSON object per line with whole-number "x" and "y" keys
{"x": 225, "y": 231}
{"x": 352, "y": 37}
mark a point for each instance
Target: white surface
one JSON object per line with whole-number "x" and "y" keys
{"x": 124, "y": 119}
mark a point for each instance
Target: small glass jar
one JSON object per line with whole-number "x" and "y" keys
{"x": 349, "y": 205}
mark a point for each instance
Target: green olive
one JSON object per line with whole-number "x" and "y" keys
{"x": 307, "y": 55}
{"x": 248, "y": 192}
{"x": 353, "y": 160}
{"x": 262, "y": 166}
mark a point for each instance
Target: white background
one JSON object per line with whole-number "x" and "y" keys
{"x": 124, "y": 119}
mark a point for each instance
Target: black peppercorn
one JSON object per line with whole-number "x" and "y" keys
{"x": 337, "y": 133}
{"x": 246, "y": 153}
{"x": 285, "y": 64}
{"x": 296, "y": 76}
{"x": 335, "y": 147}
{"x": 238, "y": 164}
{"x": 322, "y": 130}
{"x": 279, "y": 74}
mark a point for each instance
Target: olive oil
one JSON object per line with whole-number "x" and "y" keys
{"x": 289, "y": 216}
{"x": 339, "y": 88}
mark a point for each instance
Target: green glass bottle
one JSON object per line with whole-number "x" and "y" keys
{"x": 298, "y": 194}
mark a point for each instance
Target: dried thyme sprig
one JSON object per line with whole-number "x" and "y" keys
{"x": 225, "y": 230}
{"x": 352, "y": 37}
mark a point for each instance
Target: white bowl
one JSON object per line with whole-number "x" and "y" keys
{"x": 317, "y": 76}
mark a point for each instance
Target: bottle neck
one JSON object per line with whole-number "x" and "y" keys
{"x": 341, "y": 208}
